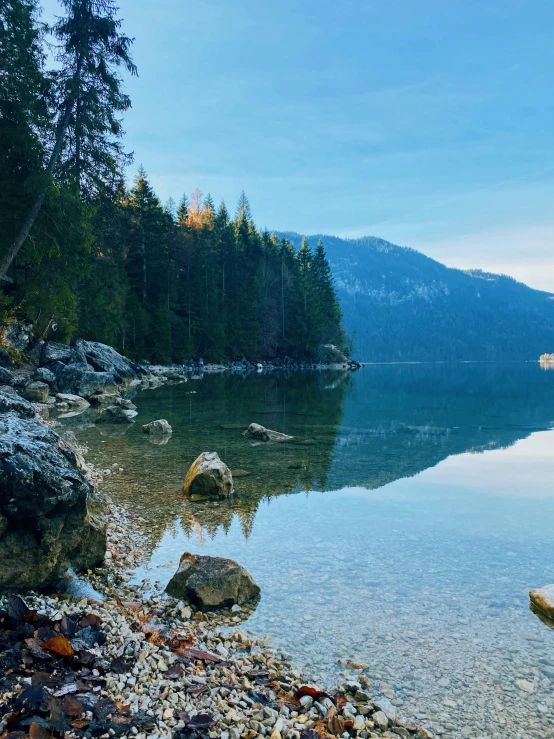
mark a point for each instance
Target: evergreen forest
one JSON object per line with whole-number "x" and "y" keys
{"x": 83, "y": 253}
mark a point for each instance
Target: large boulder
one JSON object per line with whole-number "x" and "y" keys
{"x": 14, "y": 404}
{"x": 208, "y": 476}
{"x": 52, "y": 351}
{"x": 43, "y": 374}
{"x": 212, "y": 582}
{"x": 6, "y": 376}
{"x": 81, "y": 379}
{"x": 73, "y": 401}
{"x": 259, "y": 433}
{"x": 37, "y": 392}
{"x": 543, "y": 599}
{"x": 115, "y": 414}
{"x": 161, "y": 426}
{"x": 47, "y": 522}
{"x": 104, "y": 358}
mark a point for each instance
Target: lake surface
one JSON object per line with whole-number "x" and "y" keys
{"x": 402, "y": 528}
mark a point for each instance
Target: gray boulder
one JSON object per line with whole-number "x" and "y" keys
{"x": 115, "y": 414}
{"x": 161, "y": 426}
{"x": 37, "y": 392}
{"x": 212, "y": 582}
{"x": 47, "y": 518}
{"x": 6, "y": 376}
{"x": 259, "y": 433}
{"x": 43, "y": 374}
{"x": 208, "y": 476}
{"x": 52, "y": 351}
{"x": 104, "y": 358}
{"x": 15, "y": 405}
{"x": 81, "y": 379}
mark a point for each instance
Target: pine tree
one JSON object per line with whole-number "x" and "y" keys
{"x": 88, "y": 97}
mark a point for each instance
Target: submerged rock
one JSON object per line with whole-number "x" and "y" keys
{"x": 161, "y": 426}
{"x": 46, "y": 524}
{"x": 259, "y": 433}
{"x": 543, "y": 599}
{"x": 115, "y": 414}
{"x": 208, "y": 476}
{"x": 212, "y": 582}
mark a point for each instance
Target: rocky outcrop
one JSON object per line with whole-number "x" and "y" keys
{"x": 208, "y": 477}
{"x": 81, "y": 379}
{"x": 161, "y": 426}
{"x": 5, "y": 358}
{"x": 115, "y": 414}
{"x": 212, "y": 582}
{"x": 259, "y": 433}
{"x": 52, "y": 351}
{"x": 104, "y": 358}
{"x": 543, "y": 599}
{"x": 46, "y": 518}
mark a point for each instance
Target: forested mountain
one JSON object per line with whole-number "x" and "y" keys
{"x": 400, "y": 305}
{"x": 83, "y": 254}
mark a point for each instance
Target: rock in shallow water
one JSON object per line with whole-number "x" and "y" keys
{"x": 46, "y": 523}
{"x": 259, "y": 433}
{"x": 115, "y": 414}
{"x": 543, "y": 598}
{"x": 161, "y": 426}
{"x": 212, "y": 582}
{"x": 208, "y": 476}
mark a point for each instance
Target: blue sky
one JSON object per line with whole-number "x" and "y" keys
{"x": 428, "y": 123}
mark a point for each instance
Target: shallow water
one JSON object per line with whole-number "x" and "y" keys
{"x": 418, "y": 512}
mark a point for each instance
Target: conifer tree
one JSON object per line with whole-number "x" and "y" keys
{"x": 88, "y": 98}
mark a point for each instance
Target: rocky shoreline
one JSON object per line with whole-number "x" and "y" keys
{"x": 100, "y": 657}
{"x": 146, "y": 665}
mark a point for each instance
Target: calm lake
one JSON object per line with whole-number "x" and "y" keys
{"x": 401, "y": 528}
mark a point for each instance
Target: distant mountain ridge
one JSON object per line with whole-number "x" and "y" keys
{"x": 401, "y": 305}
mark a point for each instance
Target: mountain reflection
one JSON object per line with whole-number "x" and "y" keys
{"x": 367, "y": 429}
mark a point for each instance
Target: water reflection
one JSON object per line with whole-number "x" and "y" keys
{"x": 402, "y": 528}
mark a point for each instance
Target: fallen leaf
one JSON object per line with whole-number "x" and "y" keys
{"x": 123, "y": 707}
{"x": 72, "y": 707}
{"x": 80, "y": 724}
{"x": 59, "y": 645}
{"x": 314, "y": 693}
{"x": 68, "y": 626}
{"x": 57, "y": 719}
{"x": 340, "y": 701}
{"x": 174, "y": 673}
{"x": 196, "y": 689}
{"x": 90, "y": 620}
{"x": 43, "y": 679}
{"x": 17, "y": 608}
{"x": 38, "y": 732}
{"x": 200, "y": 654}
{"x": 103, "y": 708}
{"x": 201, "y": 721}
{"x": 36, "y": 649}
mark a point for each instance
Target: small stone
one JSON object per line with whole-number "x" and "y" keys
{"x": 525, "y": 685}
{"x": 380, "y": 719}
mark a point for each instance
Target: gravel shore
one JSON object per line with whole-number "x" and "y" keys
{"x": 145, "y": 665}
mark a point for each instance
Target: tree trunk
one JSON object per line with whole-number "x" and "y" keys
{"x": 39, "y": 201}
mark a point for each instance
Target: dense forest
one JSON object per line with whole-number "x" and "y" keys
{"x": 84, "y": 254}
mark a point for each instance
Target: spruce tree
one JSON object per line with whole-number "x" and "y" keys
{"x": 88, "y": 92}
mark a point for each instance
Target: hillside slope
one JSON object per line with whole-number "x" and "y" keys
{"x": 403, "y": 306}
